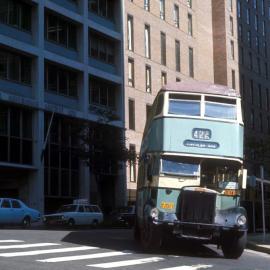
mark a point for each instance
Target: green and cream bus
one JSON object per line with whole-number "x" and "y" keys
{"x": 191, "y": 168}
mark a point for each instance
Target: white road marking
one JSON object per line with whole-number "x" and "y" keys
{"x": 45, "y": 251}
{"x": 84, "y": 257}
{"x": 11, "y": 241}
{"x": 29, "y": 245}
{"x": 192, "y": 267}
{"x": 257, "y": 253}
{"x": 127, "y": 263}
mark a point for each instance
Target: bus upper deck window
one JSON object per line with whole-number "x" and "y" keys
{"x": 184, "y": 105}
{"x": 220, "y": 108}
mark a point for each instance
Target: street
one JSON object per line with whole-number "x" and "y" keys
{"x": 110, "y": 248}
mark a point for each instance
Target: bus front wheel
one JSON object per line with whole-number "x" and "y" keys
{"x": 150, "y": 236}
{"x": 233, "y": 244}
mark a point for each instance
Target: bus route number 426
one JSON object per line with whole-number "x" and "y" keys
{"x": 201, "y": 134}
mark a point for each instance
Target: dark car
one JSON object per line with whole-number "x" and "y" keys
{"x": 124, "y": 216}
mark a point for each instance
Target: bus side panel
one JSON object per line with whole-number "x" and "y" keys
{"x": 225, "y": 140}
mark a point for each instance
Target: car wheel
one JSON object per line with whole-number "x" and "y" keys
{"x": 26, "y": 223}
{"x": 71, "y": 222}
{"x": 94, "y": 224}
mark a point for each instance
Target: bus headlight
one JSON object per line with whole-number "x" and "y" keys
{"x": 241, "y": 220}
{"x": 154, "y": 213}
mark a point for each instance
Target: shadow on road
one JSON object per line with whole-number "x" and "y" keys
{"x": 122, "y": 240}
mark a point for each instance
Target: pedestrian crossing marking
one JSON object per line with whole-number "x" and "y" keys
{"x": 85, "y": 257}
{"x": 11, "y": 241}
{"x": 45, "y": 251}
{"x": 28, "y": 245}
{"x": 185, "y": 267}
{"x": 127, "y": 262}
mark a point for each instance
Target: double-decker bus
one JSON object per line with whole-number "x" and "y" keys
{"x": 191, "y": 168}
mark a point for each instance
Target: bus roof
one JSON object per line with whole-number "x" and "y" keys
{"x": 200, "y": 87}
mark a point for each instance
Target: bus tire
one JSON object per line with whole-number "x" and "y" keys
{"x": 151, "y": 239}
{"x": 233, "y": 244}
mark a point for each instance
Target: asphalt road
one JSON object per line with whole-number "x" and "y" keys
{"x": 115, "y": 249}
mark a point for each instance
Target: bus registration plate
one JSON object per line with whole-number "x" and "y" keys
{"x": 167, "y": 205}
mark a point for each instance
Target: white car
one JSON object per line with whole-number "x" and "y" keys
{"x": 75, "y": 214}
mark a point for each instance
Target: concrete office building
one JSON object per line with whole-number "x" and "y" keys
{"x": 60, "y": 57}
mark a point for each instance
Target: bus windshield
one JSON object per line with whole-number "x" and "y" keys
{"x": 179, "y": 168}
{"x": 222, "y": 111}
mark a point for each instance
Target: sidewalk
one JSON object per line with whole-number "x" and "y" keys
{"x": 257, "y": 242}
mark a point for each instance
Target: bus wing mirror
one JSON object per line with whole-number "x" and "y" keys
{"x": 244, "y": 179}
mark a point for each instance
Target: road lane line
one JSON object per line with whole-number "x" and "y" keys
{"x": 45, "y": 251}
{"x": 191, "y": 267}
{"x": 127, "y": 263}
{"x": 11, "y": 241}
{"x": 84, "y": 257}
{"x": 29, "y": 245}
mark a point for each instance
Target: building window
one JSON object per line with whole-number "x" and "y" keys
{"x": 61, "y": 31}
{"x": 249, "y": 38}
{"x": 243, "y": 87}
{"x": 232, "y": 49}
{"x": 15, "y": 67}
{"x": 257, "y": 44}
{"x": 162, "y": 9}
{"x": 191, "y": 62}
{"x": 190, "y": 30}
{"x": 101, "y": 48}
{"x": 250, "y": 61}
{"x": 130, "y": 33}
{"x": 231, "y": 25}
{"x": 132, "y": 163}
{"x": 239, "y": 9}
{"x": 259, "y": 65}
{"x": 251, "y": 88}
{"x": 262, "y": 6}
{"x": 189, "y": 3}
{"x": 147, "y": 42}
{"x": 233, "y": 78}
{"x": 248, "y": 16}
{"x": 16, "y": 13}
{"x": 131, "y": 113}
{"x": 61, "y": 165}
{"x": 163, "y": 78}
{"x": 268, "y": 124}
{"x": 263, "y": 28}
{"x": 147, "y": 5}
{"x": 102, "y": 93}
{"x": 261, "y": 123}
{"x": 267, "y": 99}
{"x": 231, "y": 5}
{"x": 240, "y": 32}
{"x": 265, "y": 49}
{"x": 266, "y": 70}
{"x": 60, "y": 80}
{"x": 163, "y": 48}
{"x": 131, "y": 81}
{"x": 16, "y": 135}
{"x": 256, "y": 22}
{"x": 260, "y": 95}
{"x": 252, "y": 122}
{"x": 177, "y": 56}
{"x": 104, "y": 8}
{"x": 148, "y": 79}
{"x": 255, "y": 4}
{"x": 178, "y": 79}
{"x": 176, "y": 15}
{"x": 242, "y": 58}
{"x": 148, "y": 111}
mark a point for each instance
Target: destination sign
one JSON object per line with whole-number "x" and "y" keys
{"x": 201, "y": 144}
{"x": 201, "y": 134}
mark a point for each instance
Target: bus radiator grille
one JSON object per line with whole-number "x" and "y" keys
{"x": 197, "y": 207}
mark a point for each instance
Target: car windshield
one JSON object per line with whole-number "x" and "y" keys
{"x": 179, "y": 168}
{"x": 67, "y": 208}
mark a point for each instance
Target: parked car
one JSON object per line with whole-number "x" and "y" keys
{"x": 75, "y": 214}
{"x": 15, "y": 212}
{"x": 124, "y": 216}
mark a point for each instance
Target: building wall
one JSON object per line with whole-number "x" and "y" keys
{"x": 39, "y": 100}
